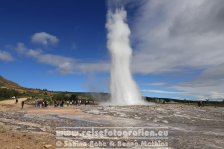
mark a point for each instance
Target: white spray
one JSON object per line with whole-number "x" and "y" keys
{"x": 124, "y": 90}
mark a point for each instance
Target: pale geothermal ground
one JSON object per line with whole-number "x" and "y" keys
{"x": 188, "y": 125}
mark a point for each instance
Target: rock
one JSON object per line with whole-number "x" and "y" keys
{"x": 155, "y": 120}
{"x": 137, "y": 117}
{"x": 47, "y": 146}
{"x": 165, "y": 121}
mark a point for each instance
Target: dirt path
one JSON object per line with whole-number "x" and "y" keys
{"x": 10, "y": 138}
{"x": 12, "y": 101}
{"x": 11, "y": 104}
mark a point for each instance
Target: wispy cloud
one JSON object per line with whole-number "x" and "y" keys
{"x": 5, "y": 56}
{"x": 44, "y": 39}
{"x": 62, "y": 64}
{"x": 175, "y": 37}
{"x": 170, "y": 38}
{"x": 156, "y": 84}
{"x": 20, "y": 47}
{"x": 163, "y": 92}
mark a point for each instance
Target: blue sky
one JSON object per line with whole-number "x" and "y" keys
{"x": 81, "y": 35}
{"x": 61, "y": 45}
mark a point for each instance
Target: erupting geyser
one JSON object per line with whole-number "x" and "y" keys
{"x": 124, "y": 90}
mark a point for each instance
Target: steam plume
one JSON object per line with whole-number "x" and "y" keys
{"x": 124, "y": 90}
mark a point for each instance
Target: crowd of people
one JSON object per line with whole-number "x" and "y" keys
{"x": 59, "y": 103}
{"x": 41, "y": 103}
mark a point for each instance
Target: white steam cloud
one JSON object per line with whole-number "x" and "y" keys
{"x": 124, "y": 90}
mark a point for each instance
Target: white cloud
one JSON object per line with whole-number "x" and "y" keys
{"x": 5, "y": 56}
{"x": 44, "y": 39}
{"x": 175, "y": 37}
{"x": 34, "y": 53}
{"x": 175, "y": 34}
{"x": 66, "y": 65}
{"x": 210, "y": 84}
{"x": 63, "y": 64}
{"x": 162, "y": 92}
{"x": 92, "y": 67}
{"x": 20, "y": 48}
{"x": 156, "y": 84}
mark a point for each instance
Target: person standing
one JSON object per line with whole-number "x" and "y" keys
{"x": 36, "y": 103}
{"x": 22, "y": 104}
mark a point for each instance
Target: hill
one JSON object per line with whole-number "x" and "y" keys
{"x": 7, "y": 84}
{"x": 10, "y": 85}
